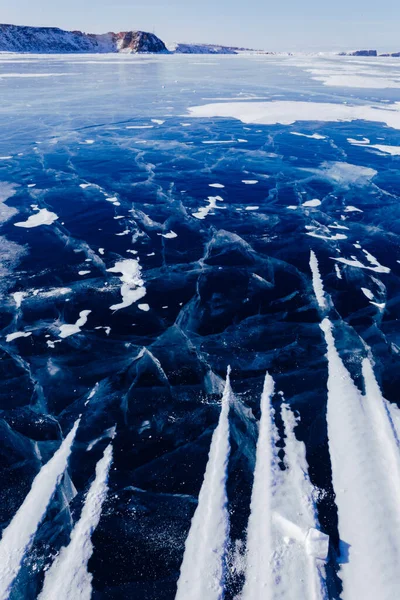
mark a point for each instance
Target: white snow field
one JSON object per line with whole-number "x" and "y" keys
{"x": 365, "y": 457}
{"x": 68, "y": 577}
{"x": 18, "y": 536}
{"x": 202, "y": 570}
{"x": 288, "y": 112}
{"x": 285, "y": 549}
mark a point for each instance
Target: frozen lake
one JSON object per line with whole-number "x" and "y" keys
{"x": 164, "y": 218}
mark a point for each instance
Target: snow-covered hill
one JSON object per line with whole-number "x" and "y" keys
{"x": 204, "y": 49}
{"x": 15, "y": 38}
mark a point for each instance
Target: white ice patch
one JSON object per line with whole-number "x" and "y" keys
{"x": 202, "y": 570}
{"x": 42, "y": 217}
{"x": 67, "y": 330}
{"x": 252, "y": 207}
{"x": 68, "y": 577}
{"x": 216, "y": 185}
{"x": 249, "y": 181}
{"x": 288, "y": 112}
{"x": 18, "y": 535}
{"x": 18, "y": 334}
{"x": 132, "y": 288}
{"x": 158, "y": 121}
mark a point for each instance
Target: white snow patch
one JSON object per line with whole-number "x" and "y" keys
{"x": 18, "y": 334}
{"x": 288, "y": 112}
{"x": 144, "y": 307}
{"x": 18, "y": 297}
{"x": 67, "y": 330}
{"x": 249, "y": 181}
{"x": 170, "y": 235}
{"x": 352, "y": 209}
{"x": 314, "y": 136}
{"x": 312, "y": 203}
{"x": 132, "y": 288}
{"x": 42, "y": 217}
{"x": 205, "y": 210}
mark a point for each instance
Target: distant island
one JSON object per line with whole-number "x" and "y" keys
{"x": 368, "y": 53}
{"x": 52, "y": 40}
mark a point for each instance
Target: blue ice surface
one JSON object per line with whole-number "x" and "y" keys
{"x": 231, "y": 289}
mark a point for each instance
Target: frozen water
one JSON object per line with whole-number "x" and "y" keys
{"x": 157, "y": 218}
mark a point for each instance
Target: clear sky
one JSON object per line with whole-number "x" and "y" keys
{"x": 265, "y": 24}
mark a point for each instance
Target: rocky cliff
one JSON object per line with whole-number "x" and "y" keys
{"x": 16, "y": 38}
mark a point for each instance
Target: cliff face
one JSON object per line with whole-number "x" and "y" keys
{"x": 139, "y": 41}
{"x": 15, "y": 38}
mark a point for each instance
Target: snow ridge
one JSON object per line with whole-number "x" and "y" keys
{"x": 365, "y": 457}
{"x": 202, "y": 570}
{"x": 68, "y": 577}
{"x": 285, "y": 549}
{"x": 258, "y": 584}
{"x": 18, "y": 536}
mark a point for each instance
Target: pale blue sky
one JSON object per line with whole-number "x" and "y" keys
{"x": 266, "y": 24}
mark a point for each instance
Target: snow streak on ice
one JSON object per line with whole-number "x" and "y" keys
{"x": 365, "y": 457}
{"x": 285, "y": 549}
{"x": 258, "y": 585}
{"x": 202, "y": 569}
{"x": 317, "y": 281}
{"x": 19, "y": 534}
{"x": 68, "y": 577}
